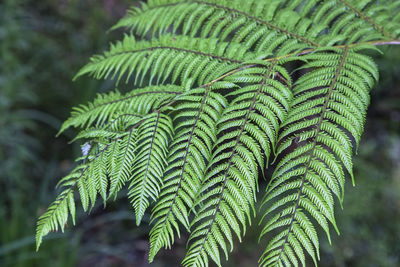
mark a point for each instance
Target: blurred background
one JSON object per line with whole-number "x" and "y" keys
{"x": 42, "y": 45}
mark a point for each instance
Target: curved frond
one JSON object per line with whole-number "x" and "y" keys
{"x": 56, "y": 215}
{"x": 123, "y": 156}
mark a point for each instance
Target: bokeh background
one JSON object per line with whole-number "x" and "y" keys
{"x": 42, "y": 45}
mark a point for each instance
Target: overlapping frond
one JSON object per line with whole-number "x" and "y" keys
{"x": 246, "y": 134}
{"x": 120, "y": 169}
{"x": 150, "y": 154}
{"x": 178, "y": 58}
{"x": 274, "y": 28}
{"x": 315, "y": 147}
{"x": 56, "y": 216}
{"x": 264, "y": 27}
{"x": 107, "y": 107}
{"x": 196, "y": 115}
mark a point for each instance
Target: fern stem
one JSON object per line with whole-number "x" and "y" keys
{"x": 137, "y": 95}
{"x": 181, "y": 50}
{"x": 122, "y": 99}
{"x": 308, "y": 51}
{"x": 389, "y": 42}
{"x": 227, "y": 75}
{"x": 158, "y": 110}
{"x": 311, "y": 153}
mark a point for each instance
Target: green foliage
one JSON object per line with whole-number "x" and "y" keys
{"x": 306, "y": 178}
{"x": 222, "y": 99}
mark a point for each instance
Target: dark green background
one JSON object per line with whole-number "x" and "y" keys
{"x": 43, "y": 44}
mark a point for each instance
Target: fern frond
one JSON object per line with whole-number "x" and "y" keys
{"x": 197, "y": 142}
{"x": 108, "y": 106}
{"x": 352, "y": 22}
{"x": 124, "y": 156}
{"x": 174, "y": 57}
{"x": 266, "y": 26}
{"x": 99, "y": 173}
{"x": 89, "y": 178}
{"x": 56, "y": 215}
{"x": 150, "y": 155}
{"x": 378, "y": 16}
{"x": 196, "y": 115}
{"x": 246, "y": 134}
{"x": 279, "y": 28}
{"x": 325, "y": 119}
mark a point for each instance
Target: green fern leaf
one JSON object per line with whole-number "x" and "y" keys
{"x": 150, "y": 153}
{"x": 167, "y": 57}
{"x": 56, "y": 215}
{"x": 377, "y": 16}
{"x": 326, "y": 116}
{"x": 121, "y": 170}
{"x": 197, "y": 113}
{"x": 108, "y": 106}
{"x": 281, "y": 27}
{"x": 255, "y": 21}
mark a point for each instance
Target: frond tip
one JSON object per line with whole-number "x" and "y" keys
{"x": 56, "y": 216}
